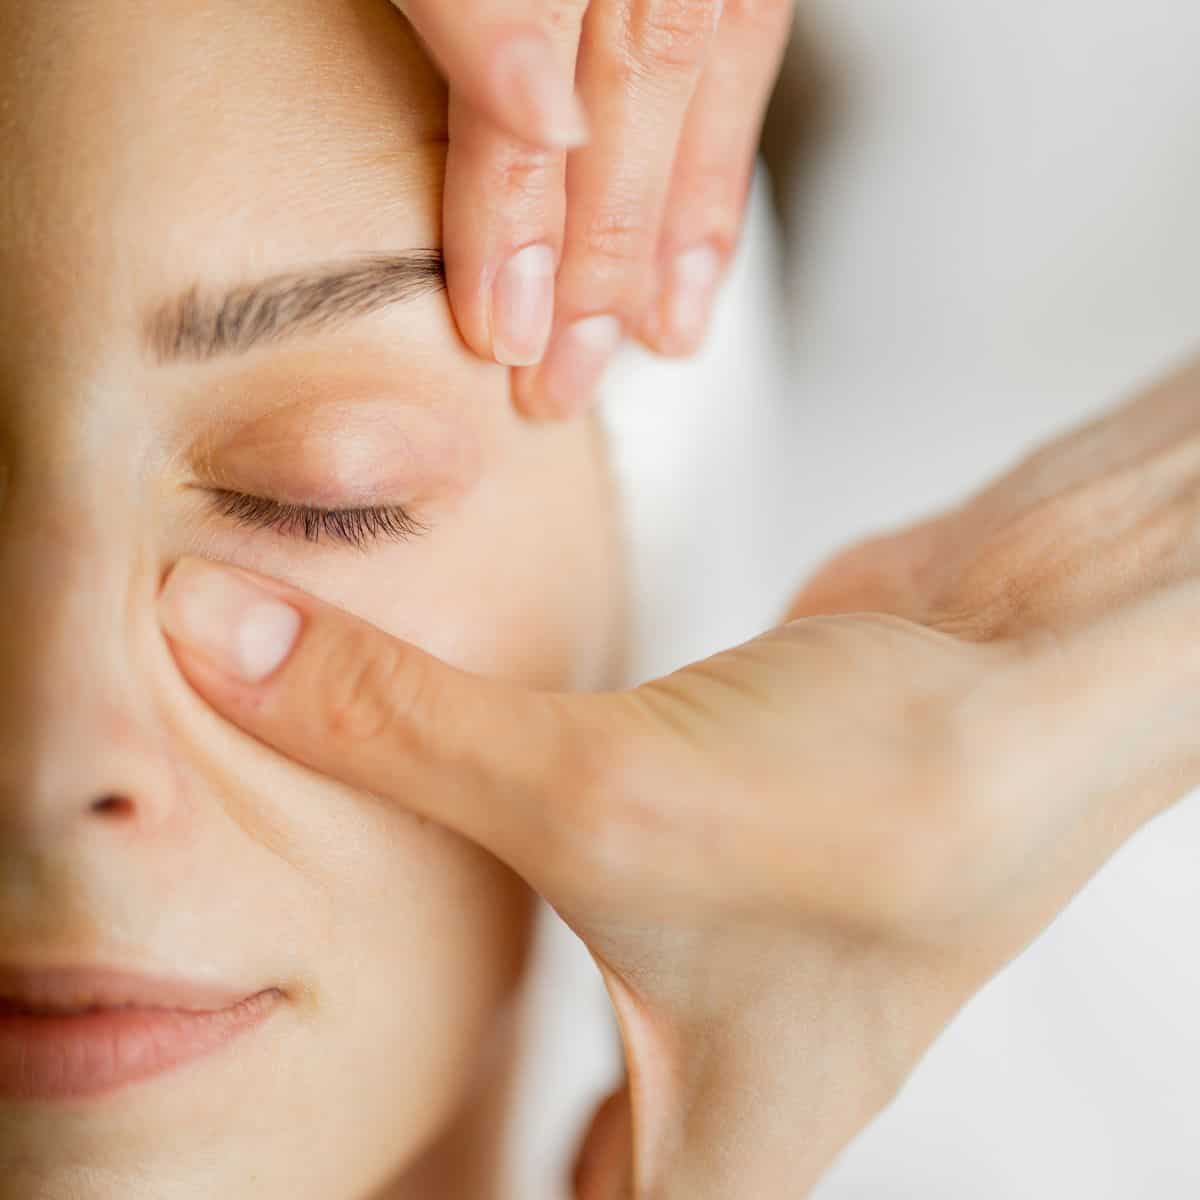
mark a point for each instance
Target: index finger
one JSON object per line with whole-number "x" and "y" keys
{"x": 496, "y": 763}
{"x": 503, "y": 58}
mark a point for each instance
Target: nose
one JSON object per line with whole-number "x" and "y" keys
{"x": 80, "y": 747}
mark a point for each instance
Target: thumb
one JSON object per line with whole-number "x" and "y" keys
{"x": 489, "y": 760}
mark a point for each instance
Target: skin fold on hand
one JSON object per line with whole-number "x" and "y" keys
{"x": 796, "y": 861}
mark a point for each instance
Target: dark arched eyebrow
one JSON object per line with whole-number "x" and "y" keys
{"x": 200, "y": 324}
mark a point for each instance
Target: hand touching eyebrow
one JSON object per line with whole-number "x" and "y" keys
{"x": 556, "y": 258}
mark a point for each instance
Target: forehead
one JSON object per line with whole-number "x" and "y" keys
{"x": 148, "y": 143}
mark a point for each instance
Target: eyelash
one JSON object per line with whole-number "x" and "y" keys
{"x": 357, "y": 527}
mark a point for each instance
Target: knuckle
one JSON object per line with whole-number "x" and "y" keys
{"x": 614, "y": 818}
{"x": 1015, "y": 576}
{"x": 921, "y": 877}
{"x": 672, "y": 34}
{"x": 713, "y": 202}
{"x": 563, "y": 17}
{"x": 615, "y": 256}
{"x": 360, "y": 679}
{"x": 618, "y": 238}
{"x": 518, "y": 171}
{"x": 1063, "y": 555}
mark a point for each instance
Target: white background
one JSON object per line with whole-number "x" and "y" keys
{"x": 1000, "y": 235}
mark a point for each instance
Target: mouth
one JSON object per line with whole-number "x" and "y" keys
{"x": 18, "y": 1008}
{"x": 76, "y": 1033}
{"x": 78, "y": 988}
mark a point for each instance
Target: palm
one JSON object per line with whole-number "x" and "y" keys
{"x": 978, "y": 615}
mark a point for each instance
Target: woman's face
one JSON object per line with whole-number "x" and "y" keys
{"x": 209, "y": 290}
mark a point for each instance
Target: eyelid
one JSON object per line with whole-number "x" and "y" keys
{"x": 362, "y": 453}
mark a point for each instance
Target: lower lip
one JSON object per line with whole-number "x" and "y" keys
{"x": 95, "y": 1053}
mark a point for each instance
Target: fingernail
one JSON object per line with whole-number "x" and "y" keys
{"x": 523, "y": 307}
{"x": 574, "y": 365}
{"x": 691, "y": 288}
{"x": 540, "y": 97}
{"x": 245, "y": 632}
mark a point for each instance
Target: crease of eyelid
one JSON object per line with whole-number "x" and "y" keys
{"x": 431, "y": 457}
{"x": 212, "y": 476}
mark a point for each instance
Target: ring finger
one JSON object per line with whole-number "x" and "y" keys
{"x": 707, "y": 201}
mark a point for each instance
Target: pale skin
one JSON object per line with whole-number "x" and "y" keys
{"x": 147, "y": 146}
{"x": 796, "y": 861}
{"x": 201, "y": 164}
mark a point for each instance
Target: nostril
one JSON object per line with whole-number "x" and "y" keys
{"x": 112, "y": 806}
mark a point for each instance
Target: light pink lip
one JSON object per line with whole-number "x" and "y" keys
{"x": 92, "y": 1032}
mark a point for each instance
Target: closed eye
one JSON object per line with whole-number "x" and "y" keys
{"x": 357, "y": 527}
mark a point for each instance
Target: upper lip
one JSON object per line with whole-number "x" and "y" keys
{"x": 72, "y": 988}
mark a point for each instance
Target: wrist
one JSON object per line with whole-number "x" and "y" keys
{"x": 781, "y": 1154}
{"x": 754, "y": 1128}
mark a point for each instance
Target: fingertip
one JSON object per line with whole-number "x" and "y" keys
{"x": 566, "y": 383}
{"x": 503, "y": 216}
{"x": 528, "y": 398}
{"x": 223, "y": 615}
{"x": 678, "y": 322}
{"x": 650, "y": 333}
{"x": 466, "y": 293}
{"x": 523, "y": 306}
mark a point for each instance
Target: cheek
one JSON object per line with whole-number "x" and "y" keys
{"x": 518, "y": 582}
{"x": 526, "y": 582}
{"x": 410, "y": 941}
{"x": 432, "y": 937}
{"x": 402, "y": 942}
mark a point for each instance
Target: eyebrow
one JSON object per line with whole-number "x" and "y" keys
{"x": 200, "y": 325}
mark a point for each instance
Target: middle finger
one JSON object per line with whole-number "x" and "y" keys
{"x": 640, "y": 62}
